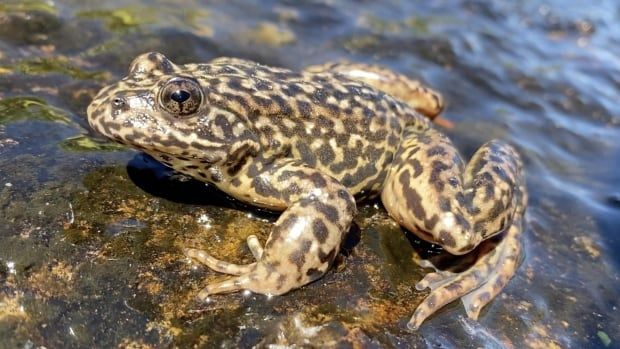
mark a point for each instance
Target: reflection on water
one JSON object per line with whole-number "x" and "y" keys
{"x": 89, "y": 255}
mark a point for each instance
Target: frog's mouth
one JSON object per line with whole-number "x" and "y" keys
{"x": 170, "y": 158}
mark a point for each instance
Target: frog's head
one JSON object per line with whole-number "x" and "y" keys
{"x": 160, "y": 107}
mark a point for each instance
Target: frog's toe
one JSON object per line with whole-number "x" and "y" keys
{"x": 255, "y": 247}
{"x": 445, "y": 288}
{"x": 434, "y": 280}
{"x": 216, "y": 264}
{"x": 262, "y": 277}
{"x": 507, "y": 263}
{"x": 229, "y": 285}
{"x": 476, "y": 286}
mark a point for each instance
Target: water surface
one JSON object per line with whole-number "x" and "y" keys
{"x": 91, "y": 233}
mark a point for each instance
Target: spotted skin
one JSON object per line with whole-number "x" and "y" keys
{"x": 310, "y": 144}
{"x": 418, "y": 96}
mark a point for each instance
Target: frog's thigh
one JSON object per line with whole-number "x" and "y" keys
{"x": 419, "y": 96}
{"x": 423, "y": 189}
{"x": 428, "y": 192}
{"x": 304, "y": 240}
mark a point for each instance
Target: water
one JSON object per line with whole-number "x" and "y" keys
{"x": 90, "y": 232}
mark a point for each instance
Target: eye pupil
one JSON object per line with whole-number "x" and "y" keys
{"x": 180, "y": 96}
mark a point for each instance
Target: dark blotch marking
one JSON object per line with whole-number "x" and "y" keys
{"x": 319, "y": 229}
{"x": 326, "y": 154}
{"x": 446, "y": 239}
{"x": 263, "y": 102}
{"x": 265, "y": 188}
{"x": 235, "y": 85}
{"x": 497, "y": 209}
{"x": 305, "y": 109}
{"x": 460, "y": 220}
{"x": 417, "y": 167}
{"x": 453, "y": 287}
{"x": 413, "y": 199}
{"x": 445, "y": 205}
{"x": 430, "y": 223}
{"x": 436, "y": 150}
{"x": 298, "y": 257}
{"x": 285, "y": 107}
{"x": 484, "y": 297}
{"x": 320, "y": 96}
{"x": 478, "y": 165}
{"x": 434, "y": 179}
{"x": 330, "y": 212}
{"x": 499, "y": 171}
{"x": 314, "y": 273}
{"x": 306, "y": 154}
{"x": 318, "y": 180}
{"x": 280, "y": 282}
{"x": 329, "y": 257}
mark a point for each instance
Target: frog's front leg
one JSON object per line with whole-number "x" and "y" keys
{"x": 432, "y": 194}
{"x": 304, "y": 240}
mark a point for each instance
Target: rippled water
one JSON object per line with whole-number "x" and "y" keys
{"x": 90, "y": 232}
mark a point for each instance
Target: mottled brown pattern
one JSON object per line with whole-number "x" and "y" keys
{"x": 306, "y": 143}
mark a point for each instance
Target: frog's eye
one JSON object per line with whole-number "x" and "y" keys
{"x": 181, "y": 96}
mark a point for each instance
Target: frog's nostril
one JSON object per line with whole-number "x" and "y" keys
{"x": 118, "y": 102}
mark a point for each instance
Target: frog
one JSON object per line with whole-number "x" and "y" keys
{"x": 313, "y": 143}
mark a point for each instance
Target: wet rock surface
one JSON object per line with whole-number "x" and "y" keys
{"x": 91, "y": 233}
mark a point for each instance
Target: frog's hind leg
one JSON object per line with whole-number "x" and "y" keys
{"x": 420, "y": 97}
{"x": 431, "y": 193}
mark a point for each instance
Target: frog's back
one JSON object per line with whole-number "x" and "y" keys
{"x": 339, "y": 126}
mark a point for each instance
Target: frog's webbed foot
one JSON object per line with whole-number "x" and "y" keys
{"x": 496, "y": 264}
{"x": 220, "y": 266}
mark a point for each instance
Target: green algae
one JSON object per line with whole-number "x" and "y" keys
{"x": 82, "y": 143}
{"x": 604, "y": 338}
{"x": 267, "y": 33}
{"x": 28, "y": 5}
{"x": 361, "y": 42}
{"x": 122, "y": 19}
{"x": 54, "y": 65}
{"x": 378, "y": 25}
{"x": 30, "y": 108}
